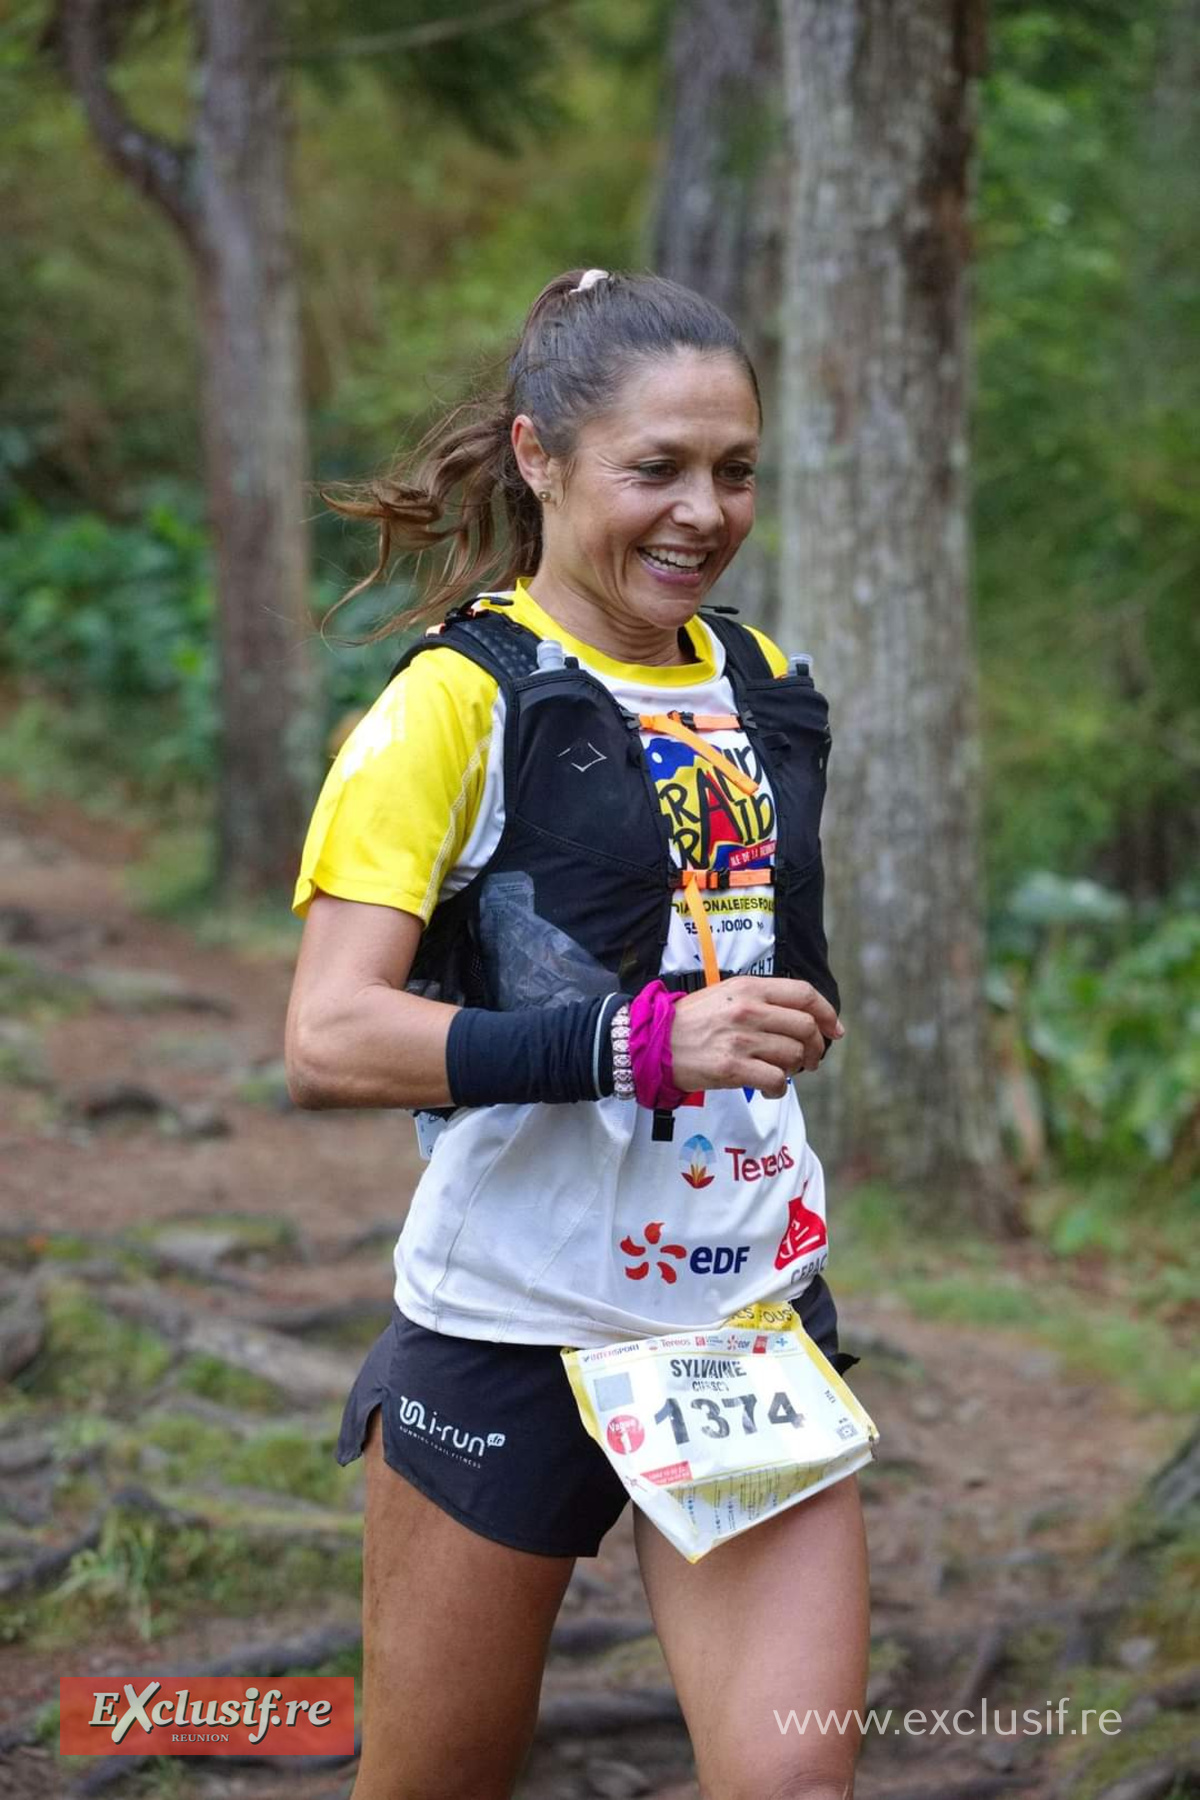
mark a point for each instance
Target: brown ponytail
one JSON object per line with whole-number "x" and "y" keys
{"x": 461, "y": 488}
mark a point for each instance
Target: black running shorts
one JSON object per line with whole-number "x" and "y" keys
{"x": 491, "y": 1433}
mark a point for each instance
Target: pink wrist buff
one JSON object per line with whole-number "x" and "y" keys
{"x": 651, "y": 1015}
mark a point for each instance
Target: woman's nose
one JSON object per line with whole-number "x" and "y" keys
{"x": 699, "y": 505}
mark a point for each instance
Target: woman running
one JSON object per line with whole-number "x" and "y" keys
{"x": 562, "y": 899}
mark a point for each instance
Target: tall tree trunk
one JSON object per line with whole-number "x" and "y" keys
{"x": 718, "y": 223}
{"x": 255, "y": 448}
{"x": 227, "y": 195}
{"x": 1153, "y": 846}
{"x": 880, "y": 123}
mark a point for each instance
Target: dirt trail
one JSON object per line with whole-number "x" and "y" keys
{"x": 997, "y": 1475}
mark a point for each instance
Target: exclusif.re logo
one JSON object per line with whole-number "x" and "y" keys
{"x": 224, "y": 1715}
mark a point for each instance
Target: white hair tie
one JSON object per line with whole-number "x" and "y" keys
{"x": 589, "y": 279}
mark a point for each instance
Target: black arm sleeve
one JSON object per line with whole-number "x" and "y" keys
{"x": 550, "y": 1053}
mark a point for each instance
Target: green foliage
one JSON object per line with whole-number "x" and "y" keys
{"x": 122, "y": 1573}
{"x": 494, "y": 83}
{"x": 90, "y": 1356}
{"x": 1088, "y": 393}
{"x": 116, "y": 621}
{"x": 152, "y": 1575}
{"x": 1124, "y": 1332}
{"x": 278, "y": 1460}
{"x": 29, "y": 991}
{"x": 420, "y": 279}
{"x": 213, "y": 1379}
{"x": 1108, "y": 1004}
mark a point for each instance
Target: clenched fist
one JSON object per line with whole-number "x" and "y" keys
{"x": 751, "y": 1031}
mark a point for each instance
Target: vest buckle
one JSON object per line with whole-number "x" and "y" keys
{"x": 663, "y": 1129}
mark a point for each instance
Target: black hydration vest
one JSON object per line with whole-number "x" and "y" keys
{"x": 576, "y": 900}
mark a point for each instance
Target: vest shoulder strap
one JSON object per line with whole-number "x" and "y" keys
{"x": 507, "y": 651}
{"x": 745, "y": 657}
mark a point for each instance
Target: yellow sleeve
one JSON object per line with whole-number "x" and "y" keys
{"x": 771, "y": 651}
{"x": 402, "y": 796}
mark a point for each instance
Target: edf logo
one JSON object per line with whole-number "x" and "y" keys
{"x": 705, "y": 1259}
{"x": 718, "y": 1259}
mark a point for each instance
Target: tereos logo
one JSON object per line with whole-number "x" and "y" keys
{"x": 695, "y": 1162}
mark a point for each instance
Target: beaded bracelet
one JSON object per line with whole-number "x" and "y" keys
{"x": 623, "y": 1087}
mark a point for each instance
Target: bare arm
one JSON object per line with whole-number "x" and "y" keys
{"x": 354, "y": 1037}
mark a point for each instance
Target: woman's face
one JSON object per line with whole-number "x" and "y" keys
{"x": 659, "y": 494}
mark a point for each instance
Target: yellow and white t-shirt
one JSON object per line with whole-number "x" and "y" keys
{"x": 568, "y": 1224}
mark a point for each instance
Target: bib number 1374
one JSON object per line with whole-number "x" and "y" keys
{"x": 715, "y": 1420}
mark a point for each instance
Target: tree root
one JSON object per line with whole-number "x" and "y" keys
{"x": 49, "y": 1563}
{"x": 305, "y": 1374}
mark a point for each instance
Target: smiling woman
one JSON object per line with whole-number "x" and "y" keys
{"x": 563, "y": 880}
{"x": 653, "y": 505}
{"x": 635, "y": 362}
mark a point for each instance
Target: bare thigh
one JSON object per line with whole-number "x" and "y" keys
{"x": 775, "y": 1620}
{"x": 455, "y": 1634}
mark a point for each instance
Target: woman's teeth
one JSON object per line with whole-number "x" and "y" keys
{"x": 671, "y": 559}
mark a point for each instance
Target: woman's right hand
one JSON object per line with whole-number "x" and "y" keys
{"x": 750, "y": 1031}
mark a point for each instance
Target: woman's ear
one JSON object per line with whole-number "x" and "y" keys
{"x": 531, "y": 459}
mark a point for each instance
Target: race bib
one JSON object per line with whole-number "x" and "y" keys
{"x": 713, "y": 1431}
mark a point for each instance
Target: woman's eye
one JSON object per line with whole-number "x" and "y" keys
{"x": 740, "y": 471}
{"x": 655, "y": 469}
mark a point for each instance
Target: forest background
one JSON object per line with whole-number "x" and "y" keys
{"x": 435, "y": 195}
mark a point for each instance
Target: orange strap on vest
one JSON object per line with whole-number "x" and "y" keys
{"x": 670, "y": 725}
{"x": 709, "y": 879}
{"x": 695, "y": 905}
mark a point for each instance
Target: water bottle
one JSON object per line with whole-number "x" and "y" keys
{"x": 801, "y": 664}
{"x": 550, "y": 654}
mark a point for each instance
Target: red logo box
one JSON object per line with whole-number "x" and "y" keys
{"x": 208, "y": 1715}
